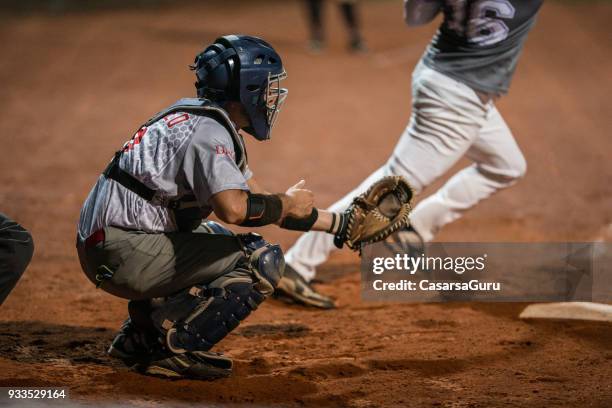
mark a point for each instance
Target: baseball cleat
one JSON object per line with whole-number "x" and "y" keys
{"x": 199, "y": 365}
{"x": 142, "y": 352}
{"x": 293, "y": 288}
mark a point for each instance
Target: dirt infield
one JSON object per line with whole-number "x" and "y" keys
{"x": 75, "y": 87}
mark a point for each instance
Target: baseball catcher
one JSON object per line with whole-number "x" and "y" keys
{"x": 143, "y": 232}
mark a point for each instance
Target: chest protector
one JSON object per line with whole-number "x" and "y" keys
{"x": 204, "y": 107}
{"x": 185, "y": 208}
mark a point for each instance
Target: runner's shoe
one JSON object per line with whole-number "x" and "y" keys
{"x": 293, "y": 288}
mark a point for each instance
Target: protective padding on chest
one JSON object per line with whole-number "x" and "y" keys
{"x": 205, "y": 107}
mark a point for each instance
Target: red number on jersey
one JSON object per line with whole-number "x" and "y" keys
{"x": 176, "y": 120}
{"x": 136, "y": 139}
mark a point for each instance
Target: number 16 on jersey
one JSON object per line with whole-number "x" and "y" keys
{"x": 481, "y": 22}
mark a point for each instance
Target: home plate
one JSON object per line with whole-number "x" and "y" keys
{"x": 569, "y": 310}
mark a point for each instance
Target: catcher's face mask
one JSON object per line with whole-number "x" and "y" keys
{"x": 274, "y": 97}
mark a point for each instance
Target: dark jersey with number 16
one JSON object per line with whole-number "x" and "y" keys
{"x": 480, "y": 41}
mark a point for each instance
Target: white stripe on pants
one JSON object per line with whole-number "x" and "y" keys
{"x": 448, "y": 121}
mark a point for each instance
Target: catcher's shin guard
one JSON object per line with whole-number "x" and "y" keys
{"x": 199, "y": 317}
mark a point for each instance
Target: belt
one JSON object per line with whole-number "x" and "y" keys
{"x": 95, "y": 238}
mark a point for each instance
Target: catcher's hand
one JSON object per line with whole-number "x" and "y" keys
{"x": 375, "y": 214}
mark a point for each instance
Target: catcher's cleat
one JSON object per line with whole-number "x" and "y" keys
{"x": 293, "y": 288}
{"x": 199, "y": 365}
{"x": 132, "y": 345}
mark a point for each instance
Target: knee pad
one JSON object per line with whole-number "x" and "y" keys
{"x": 213, "y": 227}
{"x": 265, "y": 261}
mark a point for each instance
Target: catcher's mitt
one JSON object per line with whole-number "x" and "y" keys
{"x": 375, "y": 214}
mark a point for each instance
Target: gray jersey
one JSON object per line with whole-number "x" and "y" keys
{"x": 480, "y": 41}
{"x": 182, "y": 155}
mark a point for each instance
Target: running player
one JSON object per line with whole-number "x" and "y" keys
{"x": 466, "y": 67}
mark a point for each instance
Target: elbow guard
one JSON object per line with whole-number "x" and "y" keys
{"x": 262, "y": 209}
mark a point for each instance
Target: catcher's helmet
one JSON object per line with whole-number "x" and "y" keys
{"x": 244, "y": 69}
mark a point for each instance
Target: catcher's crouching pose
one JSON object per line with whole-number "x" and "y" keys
{"x": 142, "y": 232}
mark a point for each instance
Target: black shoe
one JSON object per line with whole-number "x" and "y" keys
{"x": 199, "y": 365}
{"x": 292, "y": 288}
{"x": 132, "y": 345}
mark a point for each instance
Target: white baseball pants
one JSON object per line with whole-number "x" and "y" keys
{"x": 448, "y": 121}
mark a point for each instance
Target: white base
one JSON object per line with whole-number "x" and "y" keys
{"x": 569, "y": 310}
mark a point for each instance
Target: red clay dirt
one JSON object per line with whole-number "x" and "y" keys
{"x": 74, "y": 88}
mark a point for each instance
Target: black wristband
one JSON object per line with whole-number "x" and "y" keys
{"x": 332, "y": 227}
{"x": 340, "y": 234}
{"x": 262, "y": 209}
{"x": 301, "y": 224}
